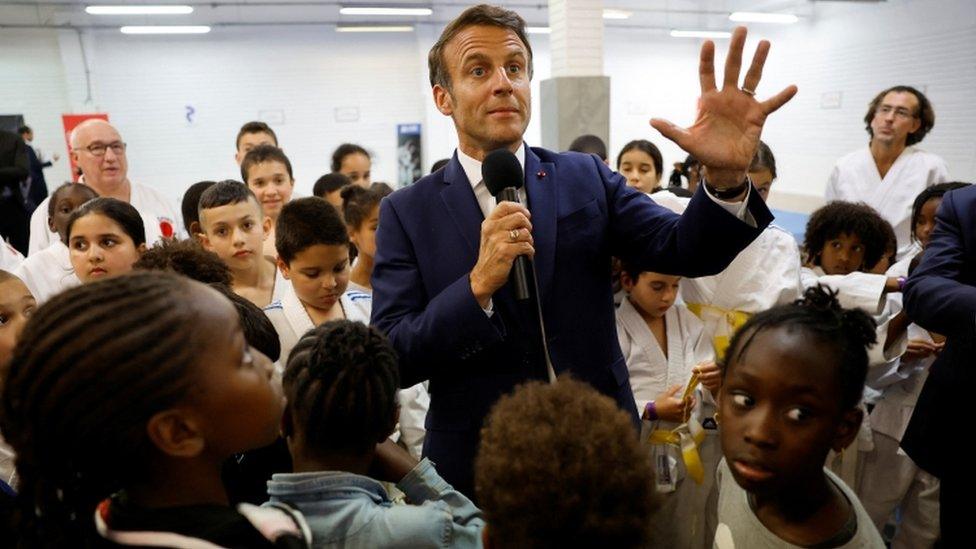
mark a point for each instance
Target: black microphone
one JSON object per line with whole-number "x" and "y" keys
{"x": 503, "y": 176}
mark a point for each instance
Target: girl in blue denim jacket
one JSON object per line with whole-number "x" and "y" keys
{"x": 341, "y": 383}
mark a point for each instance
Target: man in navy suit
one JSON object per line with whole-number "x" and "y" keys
{"x": 940, "y": 296}
{"x": 444, "y": 249}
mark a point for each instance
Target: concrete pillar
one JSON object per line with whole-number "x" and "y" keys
{"x": 576, "y": 100}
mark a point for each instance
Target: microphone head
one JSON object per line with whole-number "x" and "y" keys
{"x": 501, "y": 169}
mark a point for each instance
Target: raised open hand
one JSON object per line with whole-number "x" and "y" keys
{"x": 726, "y": 132}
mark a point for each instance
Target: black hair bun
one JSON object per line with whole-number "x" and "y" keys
{"x": 854, "y": 321}
{"x": 350, "y": 192}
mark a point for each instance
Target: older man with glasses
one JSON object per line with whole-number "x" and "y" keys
{"x": 99, "y": 152}
{"x": 890, "y": 172}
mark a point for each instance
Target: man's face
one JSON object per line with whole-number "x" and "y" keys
{"x": 489, "y": 98}
{"x": 105, "y": 168}
{"x": 895, "y": 118}
{"x": 250, "y": 140}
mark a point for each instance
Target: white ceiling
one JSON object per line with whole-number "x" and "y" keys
{"x": 653, "y": 14}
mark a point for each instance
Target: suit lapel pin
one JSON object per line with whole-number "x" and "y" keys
{"x": 540, "y": 174}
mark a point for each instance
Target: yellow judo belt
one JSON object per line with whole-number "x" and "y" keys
{"x": 687, "y": 436}
{"x": 733, "y": 319}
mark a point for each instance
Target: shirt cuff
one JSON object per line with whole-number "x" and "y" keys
{"x": 423, "y": 483}
{"x": 490, "y": 309}
{"x": 738, "y": 209}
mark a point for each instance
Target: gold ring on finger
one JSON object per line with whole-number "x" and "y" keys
{"x": 513, "y": 235}
{"x": 748, "y": 91}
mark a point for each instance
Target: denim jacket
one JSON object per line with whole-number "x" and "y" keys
{"x": 349, "y": 511}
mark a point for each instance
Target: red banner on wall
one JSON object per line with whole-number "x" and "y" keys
{"x": 70, "y": 121}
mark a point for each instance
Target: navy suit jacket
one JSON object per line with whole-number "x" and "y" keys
{"x": 582, "y": 214}
{"x": 940, "y": 296}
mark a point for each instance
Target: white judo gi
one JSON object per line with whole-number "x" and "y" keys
{"x": 683, "y": 519}
{"x": 855, "y": 178}
{"x": 164, "y": 219}
{"x": 10, "y": 258}
{"x": 48, "y": 272}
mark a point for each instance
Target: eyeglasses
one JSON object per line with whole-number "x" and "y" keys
{"x": 900, "y": 112}
{"x": 98, "y": 149}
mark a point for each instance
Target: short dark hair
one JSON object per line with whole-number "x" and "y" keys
{"x": 647, "y": 147}
{"x": 306, "y": 222}
{"x": 341, "y": 383}
{"x": 255, "y": 127}
{"x": 262, "y": 154}
{"x": 330, "y": 183}
{"x": 53, "y": 202}
{"x": 763, "y": 160}
{"x": 560, "y": 466}
{"x": 589, "y": 144}
{"x": 224, "y": 193}
{"x": 357, "y": 202}
{"x": 482, "y": 14}
{"x": 123, "y": 213}
{"x": 343, "y": 151}
{"x": 925, "y": 114}
{"x": 838, "y": 218}
{"x": 845, "y": 332}
{"x": 258, "y": 330}
{"x": 191, "y": 203}
{"x": 188, "y": 258}
{"x": 24, "y": 129}
{"x": 935, "y": 191}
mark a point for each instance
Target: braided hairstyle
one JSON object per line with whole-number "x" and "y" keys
{"x": 847, "y": 333}
{"x": 341, "y": 383}
{"x": 94, "y": 364}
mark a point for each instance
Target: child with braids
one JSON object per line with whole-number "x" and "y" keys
{"x": 341, "y": 385}
{"x": 792, "y": 381}
{"x": 127, "y": 395}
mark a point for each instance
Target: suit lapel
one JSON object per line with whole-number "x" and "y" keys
{"x": 461, "y": 204}
{"x": 540, "y": 185}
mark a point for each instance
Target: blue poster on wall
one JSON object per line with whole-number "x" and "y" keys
{"x": 408, "y": 154}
